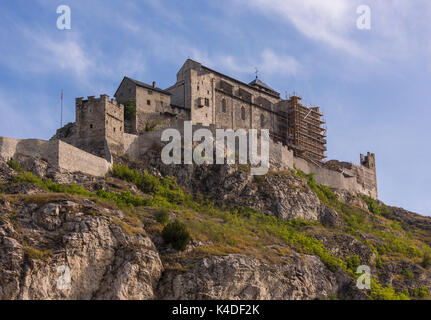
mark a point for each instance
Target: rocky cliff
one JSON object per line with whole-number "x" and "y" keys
{"x": 279, "y": 236}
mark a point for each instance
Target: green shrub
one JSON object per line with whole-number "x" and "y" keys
{"x": 373, "y": 207}
{"x": 163, "y": 215}
{"x": 130, "y": 109}
{"x": 324, "y": 193}
{"x": 28, "y": 177}
{"x": 408, "y": 273}
{"x": 426, "y": 261}
{"x": 422, "y": 292}
{"x": 378, "y": 292}
{"x": 177, "y": 235}
{"x": 65, "y": 188}
{"x": 166, "y": 187}
{"x": 152, "y": 125}
{"x": 124, "y": 199}
{"x": 353, "y": 262}
{"x": 15, "y": 165}
{"x": 49, "y": 185}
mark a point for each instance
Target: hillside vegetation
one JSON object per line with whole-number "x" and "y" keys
{"x": 188, "y": 227}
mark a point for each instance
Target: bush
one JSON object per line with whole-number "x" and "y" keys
{"x": 408, "y": 273}
{"x": 426, "y": 261}
{"x": 353, "y": 262}
{"x": 163, "y": 187}
{"x": 15, "y": 165}
{"x": 373, "y": 207}
{"x": 378, "y": 292}
{"x": 130, "y": 109}
{"x": 163, "y": 215}
{"x": 177, "y": 235}
{"x": 28, "y": 177}
{"x": 152, "y": 125}
{"x": 422, "y": 292}
{"x": 123, "y": 199}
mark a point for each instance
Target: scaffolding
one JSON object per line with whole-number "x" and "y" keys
{"x": 305, "y": 130}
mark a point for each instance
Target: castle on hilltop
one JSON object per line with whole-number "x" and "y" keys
{"x": 132, "y": 123}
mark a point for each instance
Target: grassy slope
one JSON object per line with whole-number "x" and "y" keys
{"x": 243, "y": 230}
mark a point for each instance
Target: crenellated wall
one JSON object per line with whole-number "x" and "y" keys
{"x": 59, "y": 154}
{"x": 334, "y": 174}
{"x": 339, "y": 175}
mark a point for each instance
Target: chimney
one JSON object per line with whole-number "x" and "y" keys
{"x": 154, "y": 84}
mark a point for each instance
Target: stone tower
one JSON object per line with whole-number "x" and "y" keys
{"x": 369, "y": 161}
{"x": 100, "y": 126}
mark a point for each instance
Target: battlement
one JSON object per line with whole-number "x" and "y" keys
{"x": 368, "y": 161}
{"x": 99, "y": 123}
{"x": 92, "y": 100}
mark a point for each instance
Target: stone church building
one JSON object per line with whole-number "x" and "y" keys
{"x": 208, "y": 97}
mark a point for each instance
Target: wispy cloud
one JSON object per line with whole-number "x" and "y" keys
{"x": 395, "y": 32}
{"x": 325, "y": 21}
{"x": 268, "y": 63}
{"x": 44, "y": 53}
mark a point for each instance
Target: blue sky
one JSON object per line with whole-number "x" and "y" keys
{"x": 373, "y": 85}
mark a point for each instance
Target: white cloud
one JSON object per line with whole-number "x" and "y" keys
{"x": 66, "y": 55}
{"x": 268, "y": 63}
{"x": 325, "y": 21}
{"x": 279, "y": 64}
{"x": 44, "y": 54}
{"x": 396, "y": 32}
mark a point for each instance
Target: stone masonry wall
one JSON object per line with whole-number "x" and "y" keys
{"x": 216, "y": 99}
{"x": 355, "y": 181}
{"x": 281, "y": 158}
{"x": 75, "y": 160}
{"x": 57, "y": 153}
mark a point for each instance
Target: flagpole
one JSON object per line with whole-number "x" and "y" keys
{"x": 61, "y": 117}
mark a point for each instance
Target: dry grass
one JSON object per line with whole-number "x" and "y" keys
{"x": 37, "y": 254}
{"x": 130, "y": 229}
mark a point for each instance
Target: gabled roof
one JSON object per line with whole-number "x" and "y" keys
{"x": 266, "y": 89}
{"x": 261, "y": 85}
{"x": 143, "y": 85}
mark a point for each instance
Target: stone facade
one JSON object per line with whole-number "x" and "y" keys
{"x": 214, "y": 98}
{"x": 203, "y": 96}
{"x": 58, "y": 154}
{"x": 99, "y": 126}
{"x": 153, "y": 106}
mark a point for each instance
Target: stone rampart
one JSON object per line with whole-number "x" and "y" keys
{"x": 57, "y": 153}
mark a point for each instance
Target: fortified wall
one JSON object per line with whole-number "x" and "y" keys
{"x": 64, "y": 156}
{"x": 58, "y": 154}
{"x": 334, "y": 174}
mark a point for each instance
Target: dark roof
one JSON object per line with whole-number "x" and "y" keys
{"x": 272, "y": 91}
{"x": 144, "y": 85}
{"x": 257, "y": 83}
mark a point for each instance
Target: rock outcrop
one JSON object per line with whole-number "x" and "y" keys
{"x": 296, "y": 277}
{"x": 59, "y": 246}
{"x": 41, "y": 245}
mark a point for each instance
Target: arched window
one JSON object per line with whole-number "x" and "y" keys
{"x": 262, "y": 120}
{"x": 223, "y": 105}
{"x": 242, "y": 113}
